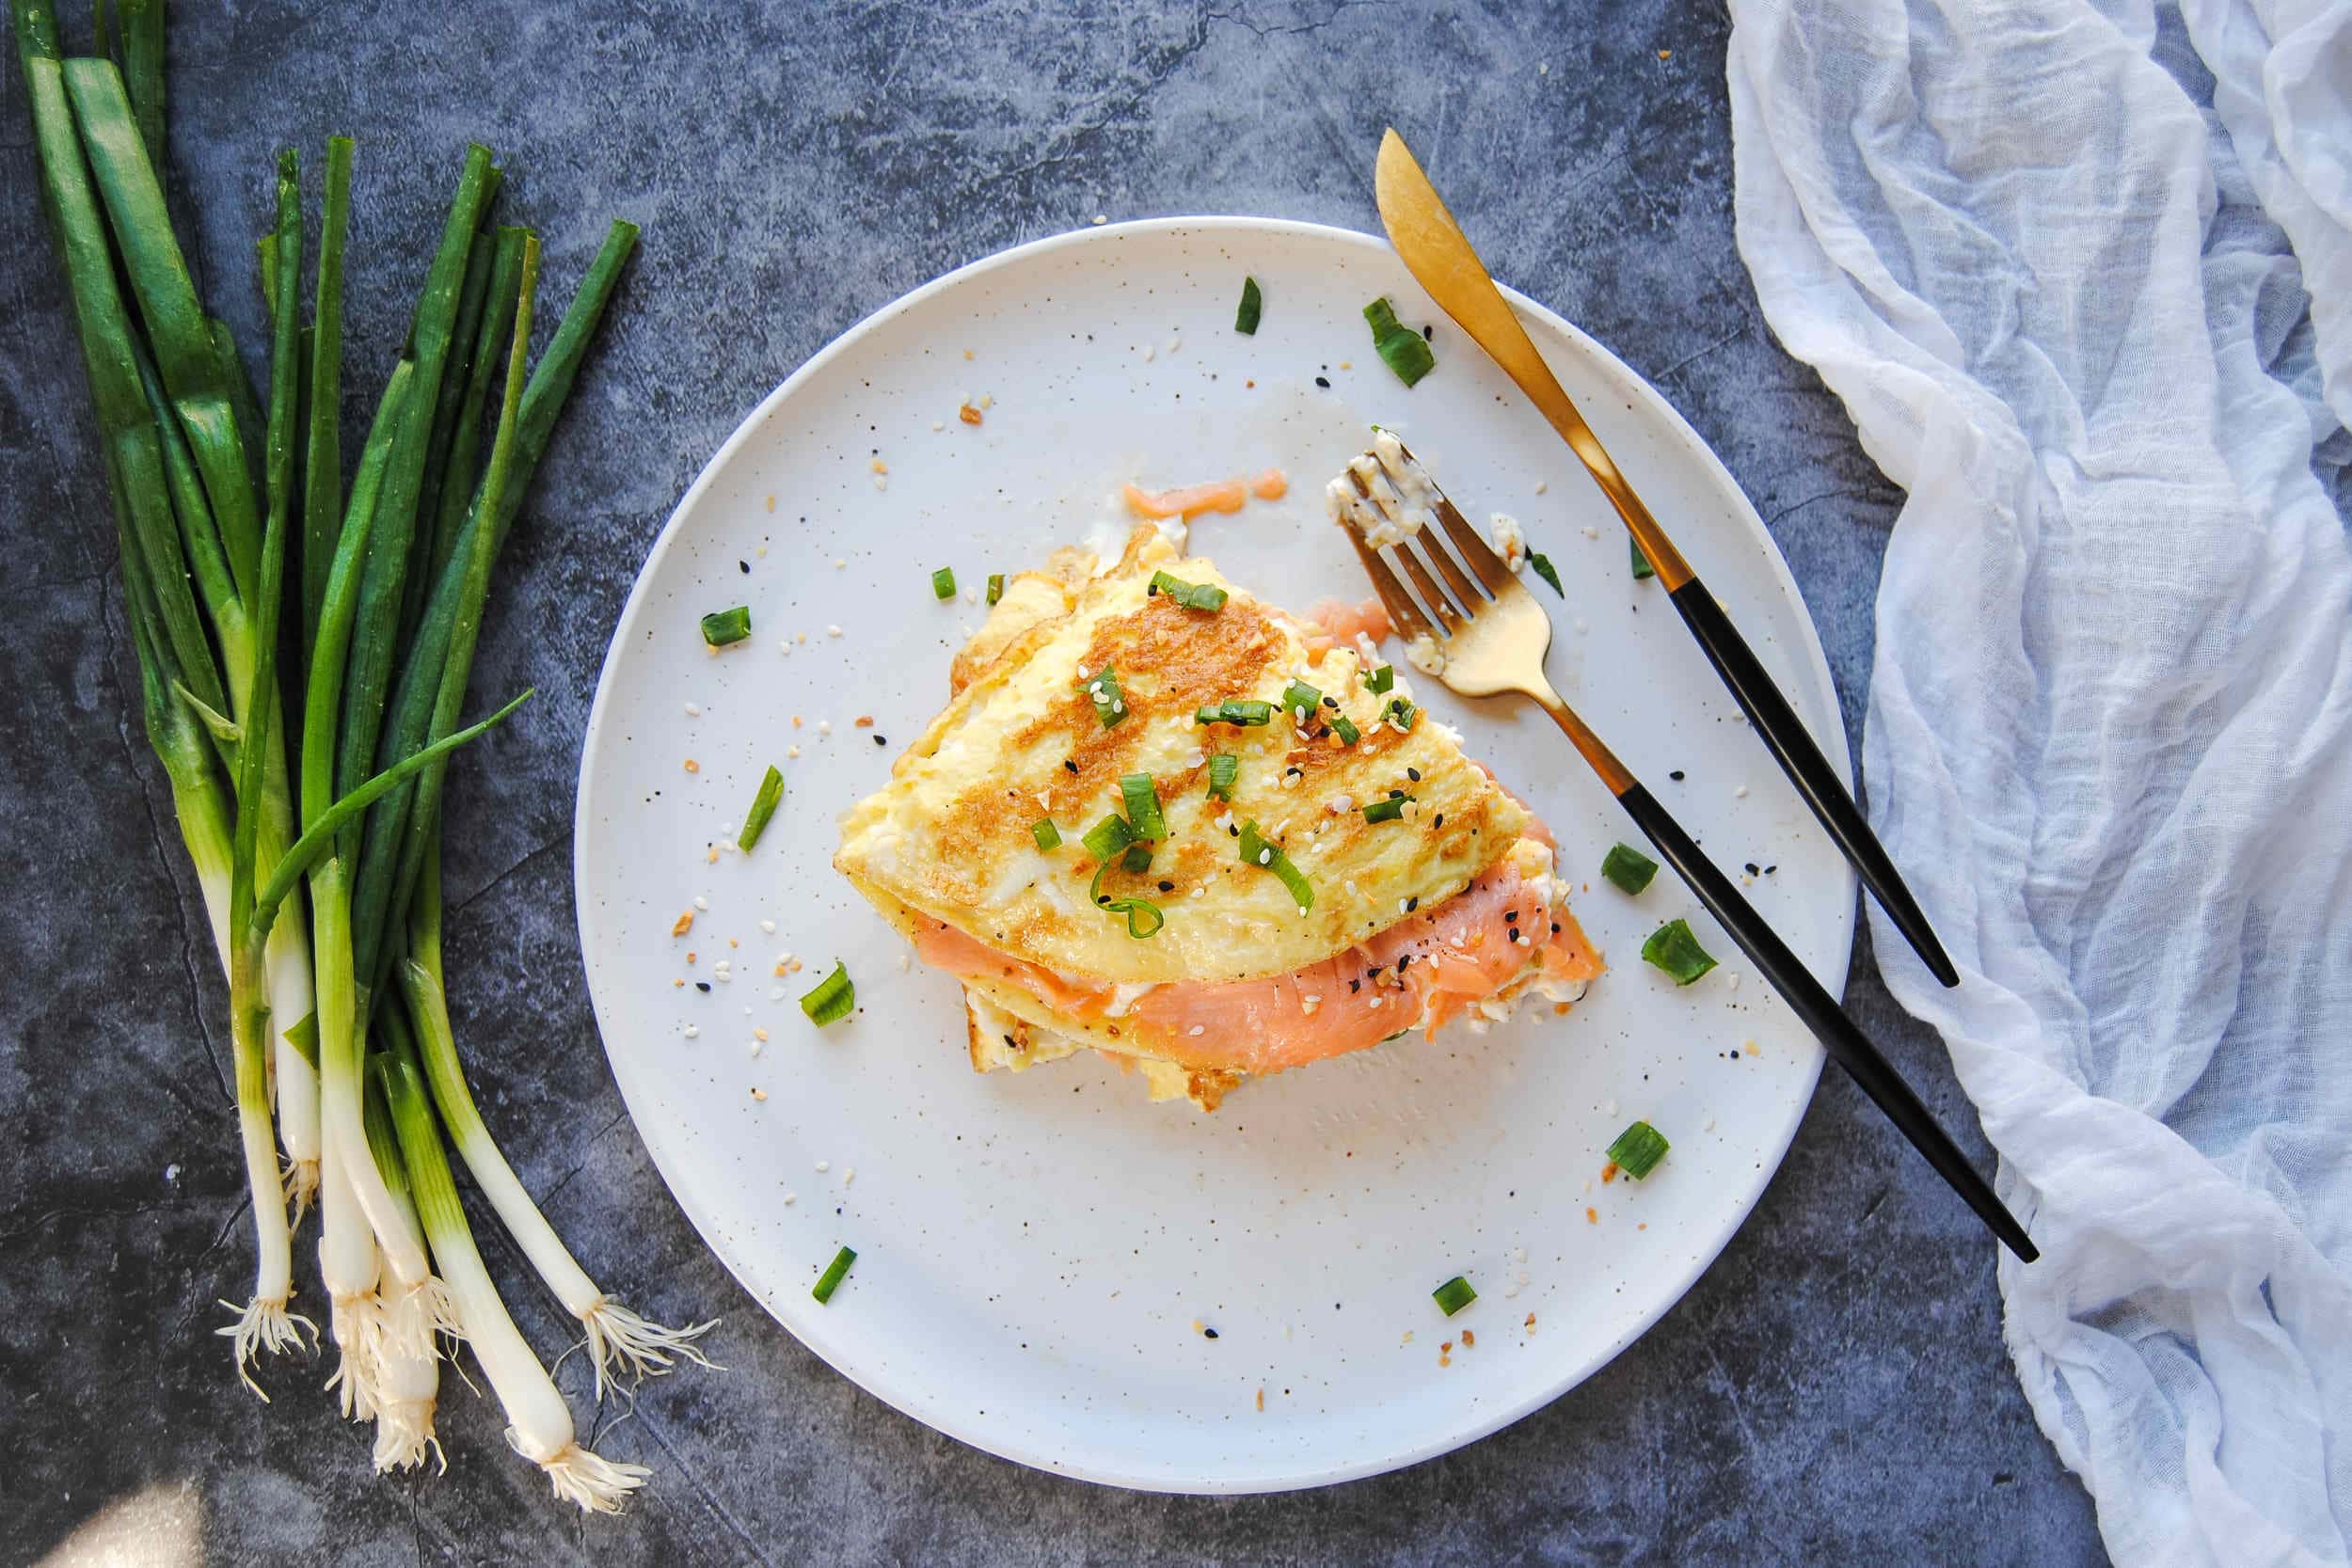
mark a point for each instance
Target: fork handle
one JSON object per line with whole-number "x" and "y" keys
{"x": 1792, "y": 746}
{"x": 1822, "y": 1014}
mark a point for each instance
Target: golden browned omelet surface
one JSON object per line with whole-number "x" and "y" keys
{"x": 950, "y": 835}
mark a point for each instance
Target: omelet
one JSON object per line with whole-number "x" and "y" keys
{"x": 1243, "y": 917}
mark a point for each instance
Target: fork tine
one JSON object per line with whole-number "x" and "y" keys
{"x": 1402, "y": 610}
{"x": 1481, "y": 555}
{"x": 1466, "y": 594}
{"x": 1447, "y": 615}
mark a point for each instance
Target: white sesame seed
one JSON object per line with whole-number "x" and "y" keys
{"x": 840, "y": 565}
{"x": 1542, "y": 486}
{"x": 693, "y": 711}
{"x": 756, "y": 1048}
{"x": 1198, "y": 1029}
{"x": 1511, "y": 1289}
{"x": 970, "y": 597}
{"x": 784, "y": 647}
{"x": 701, "y": 903}
{"x": 939, "y": 425}
{"x": 1518, "y": 1255}
{"x": 1149, "y": 352}
{"x": 1591, "y": 532}
{"x": 1404, "y": 906}
{"x": 1374, "y": 1002}
{"x": 769, "y": 927}
{"x": 824, "y": 726}
{"x": 848, "y": 1174}
{"x": 783, "y": 959}
{"x": 1609, "y": 1108}
{"x": 775, "y": 994}
{"x": 1265, "y": 856}
{"x": 1101, "y": 217}
{"x": 1708, "y": 1126}
{"x": 823, "y": 1165}
{"x": 882, "y": 482}
{"x": 792, "y": 1199}
{"x": 833, "y": 631}
{"x": 791, "y": 752}
{"x": 1199, "y": 891}
{"x": 903, "y": 962}
{"x": 691, "y": 1031}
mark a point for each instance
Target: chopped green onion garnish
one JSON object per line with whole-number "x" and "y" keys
{"x": 1137, "y": 859}
{"x": 1301, "y": 700}
{"x": 1144, "y": 918}
{"x": 1389, "y": 810}
{"x": 1143, "y": 806}
{"x": 1674, "y": 949}
{"x": 1248, "y": 712}
{"x": 1638, "y": 1150}
{"x": 995, "y": 586}
{"x": 1400, "y": 715}
{"x": 1454, "y": 1295}
{"x": 834, "y": 1272}
{"x": 1110, "y": 699}
{"x": 1544, "y": 570}
{"x": 833, "y": 999}
{"x": 1345, "y": 727}
{"x": 944, "y": 583}
{"x": 1246, "y": 318}
{"x": 1192, "y": 595}
{"x": 1379, "y": 679}
{"x": 1107, "y": 837}
{"x": 1224, "y": 768}
{"x": 727, "y": 626}
{"x": 1641, "y": 563}
{"x": 763, "y": 807}
{"x": 1257, "y": 851}
{"x": 1628, "y": 867}
{"x": 1047, "y": 835}
{"x": 1406, "y": 351}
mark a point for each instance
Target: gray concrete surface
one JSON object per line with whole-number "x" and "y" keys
{"x": 1833, "y": 1391}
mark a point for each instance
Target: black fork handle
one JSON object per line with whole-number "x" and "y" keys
{"x": 1822, "y": 1014}
{"x": 1792, "y": 746}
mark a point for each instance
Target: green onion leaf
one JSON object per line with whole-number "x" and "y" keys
{"x": 1257, "y": 851}
{"x": 1380, "y": 679}
{"x": 1137, "y": 859}
{"x": 944, "y": 583}
{"x": 724, "y": 626}
{"x": 1252, "y": 305}
{"x": 304, "y": 1038}
{"x": 1247, "y": 712}
{"x": 1400, "y": 715}
{"x": 834, "y": 1272}
{"x": 1192, "y": 595}
{"x": 1454, "y": 1295}
{"x": 1544, "y": 570}
{"x": 1047, "y": 835}
{"x": 763, "y": 807}
{"x": 1143, "y": 806}
{"x": 833, "y": 1000}
{"x": 995, "y": 586}
{"x": 1389, "y": 810}
{"x": 1406, "y": 350}
{"x": 1628, "y": 867}
{"x": 1674, "y": 949}
{"x": 1301, "y": 700}
{"x": 1107, "y": 837}
{"x": 1109, "y": 698}
{"x": 1641, "y": 563}
{"x": 1224, "y": 768}
{"x": 1638, "y": 1150}
{"x": 1345, "y": 727}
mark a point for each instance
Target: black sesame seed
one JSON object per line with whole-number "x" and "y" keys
{"x": 1429, "y": 332}
{"x": 1009, "y": 1041}
{"x": 1751, "y": 871}
{"x": 1354, "y": 986}
{"x": 1439, "y": 821}
{"x": 1509, "y": 916}
{"x": 1404, "y": 963}
{"x": 881, "y": 740}
{"x": 1331, "y": 701}
{"x": 1555, "y": 928}
{"x": 1236, "y": 831}
{"x": 1413, "y": 773}
{"x": 1514, "y": 932}
{"x": 1770, "y": 869}
{"x": 1207, "y": 1333}
{"x": 702, "y": 985}
{"x": 1167, "y": 887}
{"x": 1676, "y": 775}
{"x": 1071, "y": 766}
{"x": 1411, "y": 904}
{"x": 1324, "y": 382}
{"x": 747, "y": 567}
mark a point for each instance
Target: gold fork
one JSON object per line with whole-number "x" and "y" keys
{"x": 1490, "y": 636}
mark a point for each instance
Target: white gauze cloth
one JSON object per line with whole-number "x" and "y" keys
{"x": 2109, "y": 734}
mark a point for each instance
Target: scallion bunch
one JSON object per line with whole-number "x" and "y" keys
{"x": 315, "y": 786}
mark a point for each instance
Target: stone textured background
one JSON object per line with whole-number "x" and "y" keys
{"x": 1833, "y": 1391}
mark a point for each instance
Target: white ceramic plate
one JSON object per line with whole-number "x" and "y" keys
{"x": 1035, "y": 1250}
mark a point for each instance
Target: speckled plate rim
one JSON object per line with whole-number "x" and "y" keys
{"x": 910, "y": 1398}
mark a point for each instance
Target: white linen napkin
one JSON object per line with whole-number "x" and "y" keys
{"x": 2109, "y": 733}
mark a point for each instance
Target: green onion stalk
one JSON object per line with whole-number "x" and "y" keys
{"x": 193, "y": 397}
{"x": 265, "y": 1321}
{"x": 539, "y": 1422}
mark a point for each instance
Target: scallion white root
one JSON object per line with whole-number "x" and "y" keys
{"x": 539, "y": 1422}
{"x": 347, "y": 1265}
{"x": 617, "y": 1337}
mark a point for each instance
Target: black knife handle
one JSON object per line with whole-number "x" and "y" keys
{"x": 1770, "y": 715}
{"x": 1822, "y": 1014}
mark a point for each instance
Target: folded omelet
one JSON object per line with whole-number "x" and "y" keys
{"x": 1244, "y": 916}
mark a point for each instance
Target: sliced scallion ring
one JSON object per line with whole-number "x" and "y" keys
{"x": 833, "y": 1000}
{"x": 1345, "y": 727}
{"x": 1109, "y": 698}
{"x": 995, "y": 586}
{"x": 944, "y": 583}
{"x": 1252, "y": 305}
{"x": 1638, "y": 1150}
{"x": 1389, "y": 810}
{"x": 1454, "y": 1295}
{"x": 1224, "y": 768}
{"x": 1047, "y": 835}
{"x": 763, "y": 807}
{"x": 1192, "y": 595}
{"x": 1143, "y": 806}
{"x": 1299, "y": 701}
{"x": 1106, "y": 838}
{"x": 1379, "y": 679}
{"x": 1246, "y": 712}
{"x": 1256, "y": 849}
{"x": 834, "y": 1272}
{"x": 1628, "y": 868}
{"x": 724, "y": 626}
{"x": 1674, "y": 949}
